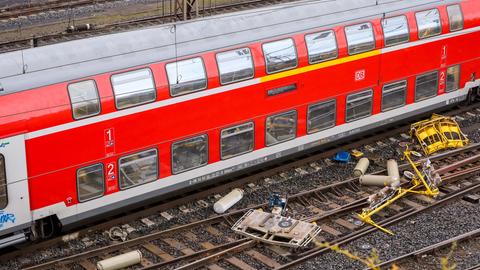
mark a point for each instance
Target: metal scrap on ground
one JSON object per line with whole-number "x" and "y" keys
{"x": 423, "y": 181}
{"x": 276, "y": 229}
{"x": 438, "y": 133}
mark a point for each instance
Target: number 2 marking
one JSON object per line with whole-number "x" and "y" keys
{"x": 110, "y": 168}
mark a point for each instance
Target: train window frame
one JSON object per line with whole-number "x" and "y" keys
{"x": 405, "y": 89}
{"x": 207, "y": 143}
{"x": 385, "y": 38}
{"x": 351, "y": 47}
{"x": 99, "y": 103}
{"x": 156, "y": 166}
{"x": 176, "y": 63}
{"x": 249, "y": 129}
{"x": 278, "y": 115}
{"x": 309, "y": 51}
{"x": 326, "y": 102}
{"x": 3, "y": 170}
{"x": 450, "y": 16}
{"x": 153, "y": 90}
{"x": 353, "y": 96}
{"x": 459, "y": 72}
{"x": 78, "y": 183}
{"x": 252, "y": 66}
{"x": 417, "y": 99}
{"x": 282, "y": 69}
{"x": 421, "y": 27}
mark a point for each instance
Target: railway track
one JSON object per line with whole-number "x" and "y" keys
{"x": 171, "y": 15}
{"x": 307, "y": 161}
{"x": 210, "y": 242}
{"x": 465, "y": 242}
{"x": 38, "y": 7}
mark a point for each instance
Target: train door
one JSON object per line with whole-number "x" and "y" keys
{"x": 15, "y": 212}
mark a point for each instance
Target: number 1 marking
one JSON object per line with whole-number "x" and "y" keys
{"x": 109, "y": 134}
{"x": 444, "y": 52}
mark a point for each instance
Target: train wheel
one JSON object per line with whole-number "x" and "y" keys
{"x": 45, "y": 228}
{"x": 473, "y": 95}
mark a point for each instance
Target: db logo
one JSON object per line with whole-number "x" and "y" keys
{"x": 360, "y": 75}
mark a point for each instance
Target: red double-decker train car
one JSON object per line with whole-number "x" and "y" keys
{"x": 92, "y": 126}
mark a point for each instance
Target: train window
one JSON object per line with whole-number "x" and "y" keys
{"x": 234, "y": 66}
{"x": 133, "y": 88}
{"x": 280, "y": 55}
{"x": 281, "y": 127}
{"x": 186, "y": 76}
{"x": 395, "y": 30}
{"x": 321, "y": 46}
{"x": 189, "y": 154}
{"x": 84, "y": 99}
{"x": 237, "y": 140}
{"x": 455, "y": 17}
{"x": 90, "y": 182}
{"x": 428, "y": 23}
{"x": 394, "y": 95}
{"x": 3, "y": 183}
{"x": 426, "y": 86}
{"x": 321, "y": 116}
{"x": 138, "y": 169}
{"x": 359, "y": 105}
{"x": 360, "y": 38}
{"x": 453, "y": 78}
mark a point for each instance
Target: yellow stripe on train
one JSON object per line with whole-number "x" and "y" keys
{"x": 319, "y": 66}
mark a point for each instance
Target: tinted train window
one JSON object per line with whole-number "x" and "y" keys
{"x": 186, "y": 76}
{"x": 280, "y": 55}
{"x": 235, "y": 65}
{"x": 84, "y": 99}
{"x": 237, "y": 140}
{"x": 360, "y": 38}
{"x": 189, "y": 154}
{"x": 428, "y": 23}
{"x": 453, "y": 78}
{"x": 426, "y": 86}
{"x": 394, "y": 95}
{"x": 395, "y": 30}
{"x": 321, "y": 46}
{"x": 321, "y": 116}
{"x": 133, "y": 88}
{"x": 3, "y": 183}
{"x": 138, "y": 168}
{"x": 281, "y": 127}
{"x": 90, "y": 182}
{"x": 455, "y": 17}
{"x": 359, "y": 105}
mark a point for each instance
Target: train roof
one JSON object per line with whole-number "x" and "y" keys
{"x": 36, "y": 67}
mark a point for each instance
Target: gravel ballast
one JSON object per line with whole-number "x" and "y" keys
{"x": 420, "y": 231}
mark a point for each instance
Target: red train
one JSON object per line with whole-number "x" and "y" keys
{"x": 95, "y": 125}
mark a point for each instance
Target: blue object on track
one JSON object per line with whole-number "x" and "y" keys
{"x": 343, "y": 157}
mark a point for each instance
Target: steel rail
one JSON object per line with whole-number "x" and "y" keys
{"x": 436, "y": 246}
{"x": 48, "y": 39}
{"x": 366, "y": 230}
{"x": 26, "y": 10}
{"x": 354, "y": 205}
{"x": 239, "y": 246}
{"x": 344, "y": 208}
